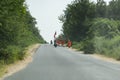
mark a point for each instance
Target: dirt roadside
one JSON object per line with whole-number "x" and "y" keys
{"x": 19, "y": 65}
{"x": 98, "y": 56}
{"x": 102, "y": 57}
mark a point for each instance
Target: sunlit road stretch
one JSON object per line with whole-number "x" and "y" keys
{"x": 50, "y": 63}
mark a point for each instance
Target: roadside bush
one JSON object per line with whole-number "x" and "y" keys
{"x": 108, "y": 47}
{"x": 2, "y": 68}
{"x": 76, "y": 45}
{"x": 87, "y": 46}
{"x": 106, "y": 37}
{"x": 10, "y": 54}
{"x": 105, "y": 28}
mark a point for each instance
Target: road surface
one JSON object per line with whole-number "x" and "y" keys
{"x": 60, "y": 63}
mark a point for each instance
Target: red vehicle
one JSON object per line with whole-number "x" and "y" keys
{"x": 60, "y": 42}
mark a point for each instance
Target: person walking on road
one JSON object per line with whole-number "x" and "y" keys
{"x": 55, "y": 44}
{"x": 69, "y": 44}
{"x": 51, "y": 42}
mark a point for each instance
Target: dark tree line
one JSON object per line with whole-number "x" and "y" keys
{"x": 79, "y": 14}
{"x": 90, "y": 23}
{"x": 17, "y": 29}
{"x": 75, "y": 17}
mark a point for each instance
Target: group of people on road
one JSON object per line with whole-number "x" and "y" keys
{"x": 69, "y": 43}
{"x": 55, "y": 44}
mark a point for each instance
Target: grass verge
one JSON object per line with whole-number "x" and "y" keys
{"x": 9, "y": 69}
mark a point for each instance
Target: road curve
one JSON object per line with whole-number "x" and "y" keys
{"x": 60, "y": 63}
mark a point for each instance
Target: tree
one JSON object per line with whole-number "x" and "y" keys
{"x": 17, "y": 29}
{"x": 101, "y": 8}
{"x": 114, "y": 10}
{"x": 75, "y": 17}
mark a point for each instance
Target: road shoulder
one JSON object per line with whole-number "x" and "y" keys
{"x": 19, "y": 65}
{"x": 98, "y": 56}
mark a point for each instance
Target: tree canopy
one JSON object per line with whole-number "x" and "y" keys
{"x": 17, "y": 28}
{"x": 93, "y": 25}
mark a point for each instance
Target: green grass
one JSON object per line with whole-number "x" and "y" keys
{"x": 100, "y": 45}
{"x": 108, "y": 47}
{"x": 76, "y": 45}
{"x": 2, "y": 68}
{"x": 11, "y": 54}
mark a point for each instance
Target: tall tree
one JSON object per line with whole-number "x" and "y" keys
{"x": 114, "y": 9}
{"x": 101, "y": 8}
{"x": 17, "y": 29}
{"x": 75, "y": 17}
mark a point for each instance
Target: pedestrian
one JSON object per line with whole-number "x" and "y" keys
{"x": 69, "y": 44}
{"x": 55, "y": 44}
{"x": 51, "y": 42}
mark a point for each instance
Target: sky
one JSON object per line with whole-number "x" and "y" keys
{"x": 46, "y": 13}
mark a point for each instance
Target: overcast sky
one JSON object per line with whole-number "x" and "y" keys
{"x": 46, "y": 13}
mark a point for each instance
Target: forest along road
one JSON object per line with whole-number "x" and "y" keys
{"x": 50, "y": 63}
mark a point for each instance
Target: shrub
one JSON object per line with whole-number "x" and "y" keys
{"x": 87, "y": 46}
{"x": 11, "y": 54}
{"x": 108, "y": 47}
{"x": 76, "y": 45}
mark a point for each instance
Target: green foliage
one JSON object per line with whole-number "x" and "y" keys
{"x": 108, "y": 47}
{"x": 87, "y": 46}
{"x": 76, "y": 45}
{"x": 11, "y": 54}
{"x": 2, "y": 69}
{"x": 106, "y": 37}
{"x": 17, "y": 30}
{"x": 75, "y": 18}
{"x": 114, "y": 9}
{"x": 105, "y": 27}
{"x": 101, "y": 8}
{"x": 93, "y": 28}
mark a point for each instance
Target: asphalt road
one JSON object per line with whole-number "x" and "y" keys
{"x": 60, "y": 63}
